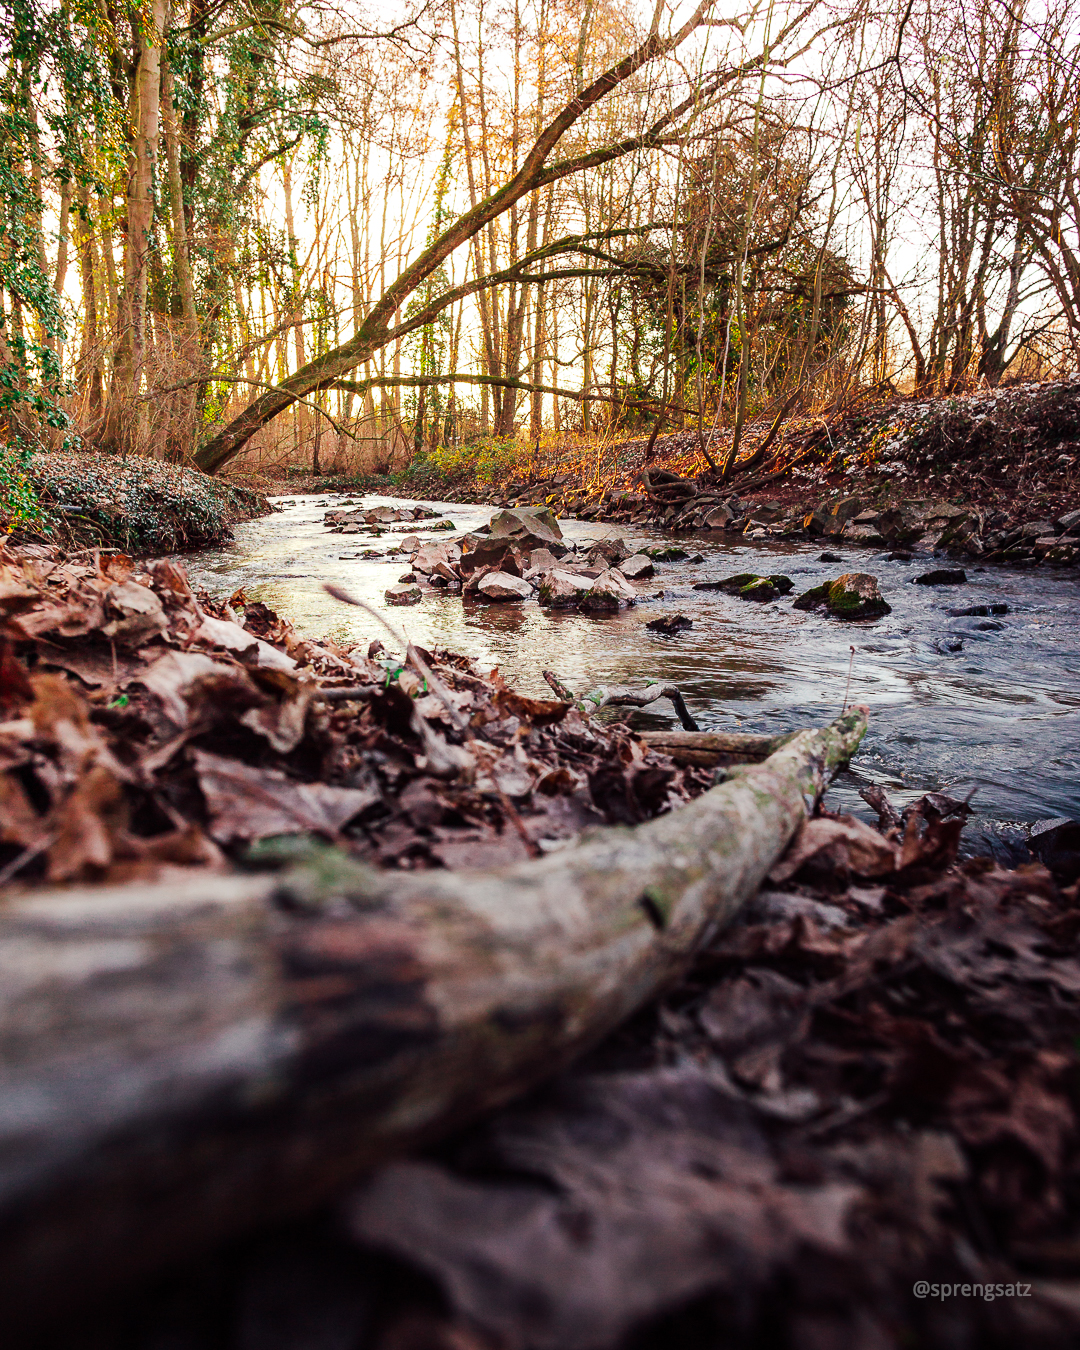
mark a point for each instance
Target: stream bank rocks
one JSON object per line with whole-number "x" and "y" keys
{"x": 748, "y": 586}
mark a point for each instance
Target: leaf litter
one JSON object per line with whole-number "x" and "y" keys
{"x": 871, "y": 1079}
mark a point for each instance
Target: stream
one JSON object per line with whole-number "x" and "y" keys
{"x": 957, "y": 703}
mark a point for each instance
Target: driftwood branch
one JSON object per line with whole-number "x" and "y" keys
{"x": 184, "y": 1061}
{"x": 710, "y": 748}
{"x": 622, "y": 696}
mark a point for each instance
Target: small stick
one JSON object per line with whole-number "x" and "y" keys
{"x": 559, "y": 687}
{"x": 847, "y": 687}
{"x": 411, "y": 654}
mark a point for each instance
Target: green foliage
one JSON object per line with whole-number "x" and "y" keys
{"x": 20, "y": 507}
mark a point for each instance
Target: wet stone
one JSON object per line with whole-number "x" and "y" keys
{"x": 942, "y": 576}
{"x": 503, "y": 586}
{"x": 637, "y": 568}
{"x": 403, "y": 594}
{"x": 670, "y": 624}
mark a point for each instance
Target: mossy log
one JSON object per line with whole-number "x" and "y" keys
{"x": 710, "y": 749}
{"x": 183, "y": 1062}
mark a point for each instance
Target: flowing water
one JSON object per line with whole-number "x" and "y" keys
{"x": 957, "y": 703}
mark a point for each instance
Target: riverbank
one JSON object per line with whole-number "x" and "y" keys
{"x": 142, "y": 506}
{"x": 863, "y": 1090}
{"x": 993, "y": 475}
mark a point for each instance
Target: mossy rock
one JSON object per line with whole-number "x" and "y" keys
{"x": 669, "y": 554}
{"x": 855, "y": 595}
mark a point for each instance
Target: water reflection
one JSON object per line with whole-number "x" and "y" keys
{"x": 1000, "y": 714}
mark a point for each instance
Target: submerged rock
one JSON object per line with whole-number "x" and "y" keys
{"x": 609, "y": 591}
{"x": 942, "y": 576}
{"x": 670, "y": 624}
{"x": 666, "y": 554}
{"x": 403, "y": 594}
{"x": 855, "y": 595}
{"x": 978, "y": 611}
{"x": 750, "y": 586}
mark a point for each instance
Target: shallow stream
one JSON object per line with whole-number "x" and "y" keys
{"x": 957, "y": 703}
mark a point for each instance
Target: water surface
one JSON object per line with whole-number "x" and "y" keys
{"x": 956, "y": 703}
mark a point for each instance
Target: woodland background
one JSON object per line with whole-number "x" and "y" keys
{"x": 276, "y": 235}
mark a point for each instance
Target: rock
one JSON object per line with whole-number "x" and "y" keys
{"x": 609, "y": 591}
{"x": 977, "y": 611}
{"x": 666, "y": 554}
{"x": 1036, "y": 529}
{"x": 942, "y": 576}
{"x": 869, "y": 536}
{"x": 610, "y": 552}
{"x": 1056, "y": 843}
{"x": 498, "y": 554}
{"x": 542, "y": 559}
{"x": 403, "y": 594}
{"x": 899, "y": 555}
{"x": 637, "y": 568}
{"x": 855, "y": 595}
{"x": 670, "y": 624}
{"x": 560, "y": 589}
{"x": 1062, "y": 553}
{"x": 831, "y": 517}
{"x": 410, "y": 543}
{"x": 503, "y": 586}
{"x": 717, "y": 518}
{"x": 899, "y": 526}
{"x": 829, "y": 557}
{"x": 528, "y": 527}
{"x": 749, "y": 586}
{"x": 406, "y": 578}
{"x": 766, "y": 513}
{"x": 1068, "y": 523}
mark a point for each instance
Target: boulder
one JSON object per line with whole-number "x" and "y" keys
{"x": 855, "y": 595}
{"x": 493, "y": 554}
{"x": 404, "y": 594}
{"x": 1056, "y": 843}
{"x": 829, "y": 557}
{"x": 750, "y": 586}
{"x": 978, "y": 611}
{"x": 409, "y": 544}
{"x": 609, "y": 552}
{"x": 503, "y": 586}
{"x": 528, "y": 527}
{"x": 542, "y": 558}
{"x": 637, "y": 568}
{"x": 560, "y": 589}
{"x": 609, "y": 591}
{"x": 942, "y": 576}
{"x": 1069, "y": 523}
{"x": 670, "y": 624}
{"x": 717, "y": 518}
{"x": 667, "y": 553}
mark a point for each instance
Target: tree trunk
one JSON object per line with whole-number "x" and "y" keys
{"x": 188, "y": 1060}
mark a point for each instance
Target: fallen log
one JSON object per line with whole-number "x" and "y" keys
{"x": 182, "y": 1062}
{"x": 710, "y": 749}
{"x": 623, "y": 696}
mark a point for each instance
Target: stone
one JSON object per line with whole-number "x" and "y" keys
{"x": 610, "y": 552}
{"x": 542, "y": 559}
{"x": 403, "y": 594}
{"x": 1035, "y": 529}
{"x": 829, "y": 557}
{"x": 560, "y": 589}
{"x": 495, "y": 554}
{"x": 855, "y": 595}
{"x": 407, "y": 578}
{"x": 529, "y": 527}
{"x": 750, "y": 586}
{"x": 942, "y": 576}
{"x": 766, "y": 513}
{"x": 717, "y": 518}
{"x": 978, "y": 611}
{"x": 669, "y": 553}
{"x": 503, "y": 586}
{"x": 1056, "y": 843}
{"x": 670, "y": 624}
{"x": 1067, "y": 523}
{"x": 637, "y": 568}
{"x": 410, "y": 543}
{"x": 869, "y": 536}
{"x": 609, "y": 591}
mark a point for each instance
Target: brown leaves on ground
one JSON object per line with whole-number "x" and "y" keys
{"x": 871, "y": 1080}
{"x": 147, "y": 728}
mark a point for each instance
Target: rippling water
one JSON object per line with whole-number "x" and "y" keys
{"x": 956, "y": 703}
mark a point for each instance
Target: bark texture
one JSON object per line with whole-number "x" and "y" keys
{"x": 182, "y": 1062}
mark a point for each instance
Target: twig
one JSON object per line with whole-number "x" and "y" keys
{"x": 847, "y": 687}
{"x": 557, "y": 685}
{"x": 411, "y": 654}
{"x": 618, "y": 696}
{"x": 27, "y": 855}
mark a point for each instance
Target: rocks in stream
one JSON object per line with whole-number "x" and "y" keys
{"x": 637, "y": 568}
{"x": 670, "y": 625}
{"x": 503, "y": 586}
{"x": 403, "y": 594}
{"x": 855, "y": 595}
{"x": 942, "y": 576}
{"x": 749, "y": 586}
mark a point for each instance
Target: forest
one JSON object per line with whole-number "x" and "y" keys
{"x": 316, "y": 236}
